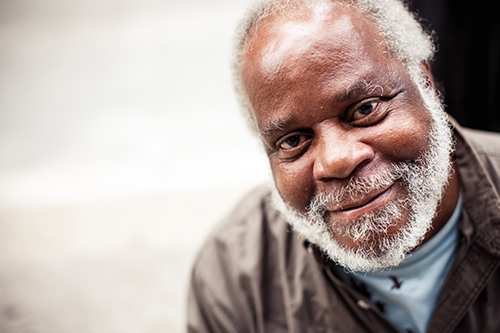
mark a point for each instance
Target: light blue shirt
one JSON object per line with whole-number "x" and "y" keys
{"x": 408, "y": 293}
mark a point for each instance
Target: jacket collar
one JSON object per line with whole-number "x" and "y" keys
{"x": 481, "y": 199}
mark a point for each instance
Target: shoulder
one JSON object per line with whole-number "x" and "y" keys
{"x": 478, "y": 159}
{"x": 485, "y": 143}
{"x": 240, "y": 266}
{"x": 486, "y": 147}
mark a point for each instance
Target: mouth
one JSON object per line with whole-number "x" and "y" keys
{"x": 363, "y": 205}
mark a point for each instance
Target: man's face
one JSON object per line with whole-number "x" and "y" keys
{"x": 340, "y": 119}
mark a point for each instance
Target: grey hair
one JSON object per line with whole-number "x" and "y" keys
{"x": 400, "y": 29}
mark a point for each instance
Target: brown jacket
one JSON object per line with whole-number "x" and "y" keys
{"x": 255, "y": 274}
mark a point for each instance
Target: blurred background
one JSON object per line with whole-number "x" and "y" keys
{"x": 121, "y": 146}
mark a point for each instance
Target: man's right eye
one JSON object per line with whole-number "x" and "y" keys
{"x": 292, "y": 142}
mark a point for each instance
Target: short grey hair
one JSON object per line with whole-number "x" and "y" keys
{"x": 400, "y": 29}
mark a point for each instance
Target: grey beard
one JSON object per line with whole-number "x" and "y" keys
{"x": 423, "y": 180}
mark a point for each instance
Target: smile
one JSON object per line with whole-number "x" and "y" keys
{"x": 364, "y": 205}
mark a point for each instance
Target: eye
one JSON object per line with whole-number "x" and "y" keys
{"x": 293, "y": 145}
{"x": 292, "y": 141}
{"x": 368, "y": 112}
{"x": 364, "y": 110}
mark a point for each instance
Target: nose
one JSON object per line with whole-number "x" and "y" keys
{"x": 339, "y": 153}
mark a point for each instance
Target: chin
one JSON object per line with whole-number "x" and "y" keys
{"x": 376, "y": 242}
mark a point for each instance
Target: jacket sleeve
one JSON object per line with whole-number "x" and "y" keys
{"x": 206, "y": 311}
{"x": 220, "y": 293}
{"x": 225, "y": 292}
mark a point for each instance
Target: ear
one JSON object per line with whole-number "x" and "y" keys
{"x": 426, "y": 67}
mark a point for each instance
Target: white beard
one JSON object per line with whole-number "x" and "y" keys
{"x": 423, "y": 181}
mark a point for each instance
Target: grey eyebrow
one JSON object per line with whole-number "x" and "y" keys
{"x": 273, "y": 126}
{"x": 358, "y": 88}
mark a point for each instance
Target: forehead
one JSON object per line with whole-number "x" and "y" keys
{"x": 326, "y": 29}
{"x": 329, "y": 46}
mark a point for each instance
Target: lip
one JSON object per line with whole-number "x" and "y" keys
{"x": 364, "y": 205}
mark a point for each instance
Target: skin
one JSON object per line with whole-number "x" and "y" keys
{"x": 331, "y": 103}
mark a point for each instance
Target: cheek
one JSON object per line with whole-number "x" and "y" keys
{"x": 406, "y": 138}
{"x": 294, "y": 182}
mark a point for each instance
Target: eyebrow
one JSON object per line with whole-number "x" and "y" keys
{"x": 273, "y": 126}
{"x": 358, "y": 88}
{"x": 368, "y": 86}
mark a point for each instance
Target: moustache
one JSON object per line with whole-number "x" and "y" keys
{"x": 355, "y": 188}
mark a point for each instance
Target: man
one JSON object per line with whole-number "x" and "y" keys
{"x": 384, "y": 217}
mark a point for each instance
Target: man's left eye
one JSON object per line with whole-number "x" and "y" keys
{"x": 364, "y": 110}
